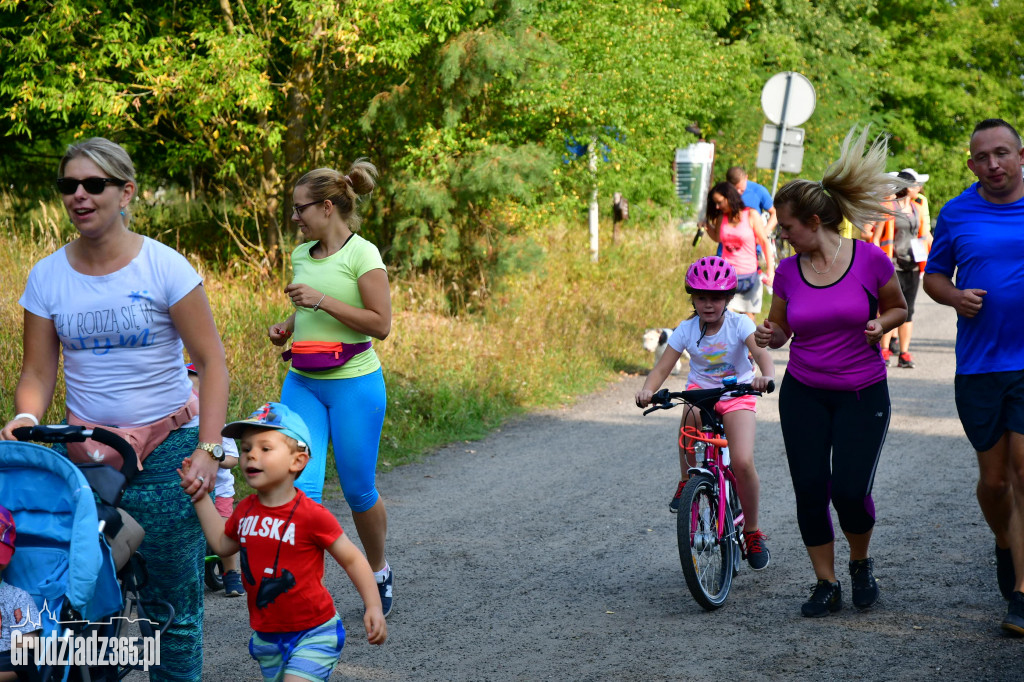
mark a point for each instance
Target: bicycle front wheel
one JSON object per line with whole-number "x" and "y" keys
{"x": 707, "y": 560}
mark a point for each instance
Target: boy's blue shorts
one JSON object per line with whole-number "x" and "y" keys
{"x": 309, "y": 654}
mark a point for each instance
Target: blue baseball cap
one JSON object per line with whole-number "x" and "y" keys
{"x": 272, "y": 416}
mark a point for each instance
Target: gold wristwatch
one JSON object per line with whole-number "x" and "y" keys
{"x": 215, "y": 449}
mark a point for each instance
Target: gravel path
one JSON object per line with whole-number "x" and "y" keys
{"x": 546, "y": 551}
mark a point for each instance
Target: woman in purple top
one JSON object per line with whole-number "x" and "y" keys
{"x": 835, "y": 298}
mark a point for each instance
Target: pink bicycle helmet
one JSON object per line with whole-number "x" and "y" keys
{"x": 711, "y": 273}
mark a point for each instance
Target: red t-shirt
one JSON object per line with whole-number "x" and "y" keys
{"x": 301, "y": 530}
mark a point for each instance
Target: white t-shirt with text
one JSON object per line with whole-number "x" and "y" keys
{"x": 122, "y": 355}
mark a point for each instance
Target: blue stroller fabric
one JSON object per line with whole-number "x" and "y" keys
{"x": 60, "y": 552}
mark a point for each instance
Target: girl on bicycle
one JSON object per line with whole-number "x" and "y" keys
{"x": 721, "y": 344}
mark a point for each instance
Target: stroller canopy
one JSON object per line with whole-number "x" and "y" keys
{"x": 58, "y": 549}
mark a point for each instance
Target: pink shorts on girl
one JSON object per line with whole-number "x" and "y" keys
{"x": 743, "y": 402}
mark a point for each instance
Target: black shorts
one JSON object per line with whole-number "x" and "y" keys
{"x": 989, "y": 405}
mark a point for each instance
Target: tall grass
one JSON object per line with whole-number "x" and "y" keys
{"x": 548, "y": 333}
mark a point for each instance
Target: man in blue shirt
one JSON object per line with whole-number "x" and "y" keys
{"x": 978, "y": 239}
{"x": 754, "y": 195}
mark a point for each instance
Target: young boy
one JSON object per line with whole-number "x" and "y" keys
{"x": 224, "y": 499}
{"x": 16, "y": 606}
{"x": 281, "y": 536}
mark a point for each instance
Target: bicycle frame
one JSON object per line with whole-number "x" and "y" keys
{"x": 712, "y": 435}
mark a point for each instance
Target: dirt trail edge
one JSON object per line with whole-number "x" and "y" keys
{"x": 546, "y": 551}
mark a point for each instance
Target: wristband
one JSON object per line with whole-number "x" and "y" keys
{"x": 26, "y": 415}
{"x": 316, "y": 306}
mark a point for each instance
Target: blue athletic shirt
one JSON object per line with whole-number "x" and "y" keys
{"x": 983, "y": 245}
{"x": 756, "y": 197}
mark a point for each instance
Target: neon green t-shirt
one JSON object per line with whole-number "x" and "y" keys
{"x": 338, "y": 277}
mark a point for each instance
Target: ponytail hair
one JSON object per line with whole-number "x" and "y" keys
{"x": 342, "y": 189}
{"x": 853, "y": 187}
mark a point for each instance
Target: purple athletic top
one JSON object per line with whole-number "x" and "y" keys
{"x": 828, "y": 349}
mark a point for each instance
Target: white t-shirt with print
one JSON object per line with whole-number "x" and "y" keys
{"x": 122, "y": 355}
{"x": 718, "y": 356}
{"x": 225, "y": 486}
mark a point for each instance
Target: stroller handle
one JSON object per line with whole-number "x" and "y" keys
{"x": 63, "y": 433}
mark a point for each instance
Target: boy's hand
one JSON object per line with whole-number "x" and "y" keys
{"x": 183, "y": 471}
{"x": 376, "y": 626}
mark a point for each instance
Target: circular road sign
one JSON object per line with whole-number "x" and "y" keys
{"x": 801, "y": 98}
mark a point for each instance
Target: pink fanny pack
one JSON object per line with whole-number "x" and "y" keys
{"x": 143, "y": 439}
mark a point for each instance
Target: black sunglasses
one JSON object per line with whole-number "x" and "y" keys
{"x": 91, "y": 185}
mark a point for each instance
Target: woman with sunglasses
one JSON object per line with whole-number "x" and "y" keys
{"x": 120, "y": 307}
{"x": 342, "y": 299}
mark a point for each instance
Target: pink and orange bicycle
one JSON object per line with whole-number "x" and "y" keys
{"x": 709, "y": 525}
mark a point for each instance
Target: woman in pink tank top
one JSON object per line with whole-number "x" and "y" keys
{"x": 740, "y": 230}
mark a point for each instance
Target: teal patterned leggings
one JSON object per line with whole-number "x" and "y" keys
{"x": 174, "y": 548}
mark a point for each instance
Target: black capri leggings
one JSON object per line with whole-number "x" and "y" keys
{"x": 910, "y": 282}
{"x": 848, "y": 425}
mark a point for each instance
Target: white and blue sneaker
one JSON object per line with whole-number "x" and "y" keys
{"x": 386, "y": 587}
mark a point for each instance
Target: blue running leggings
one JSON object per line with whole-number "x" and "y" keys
{"x": 351, "y": 412}
{"x": 833, "y": 442}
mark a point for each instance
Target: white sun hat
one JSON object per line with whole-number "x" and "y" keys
{"x": 919, "y": 178}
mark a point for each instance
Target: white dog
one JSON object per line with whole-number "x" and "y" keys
{"x": 656, "y": 341}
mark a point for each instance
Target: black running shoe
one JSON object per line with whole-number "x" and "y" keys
{"x": 758, "y": 555}
{"x": 905, "y": 361}
{"x": 865, "y": 589}
{"x": 1005, "y": 574}
{"x": 1014, "y": 621}
{"x": 894, "y": 345}
{"x": 825, "y": 598}
{"x": 673, "y": 505}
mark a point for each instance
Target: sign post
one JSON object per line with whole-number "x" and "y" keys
{"x": 788, "y": 100}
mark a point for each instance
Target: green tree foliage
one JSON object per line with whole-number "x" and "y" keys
{"x": 466, "y": 105}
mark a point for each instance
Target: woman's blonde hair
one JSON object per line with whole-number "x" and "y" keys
{"x": 343, "y": 190}
{"x": 854, "y": 186}
{"x": 111, "y": 158}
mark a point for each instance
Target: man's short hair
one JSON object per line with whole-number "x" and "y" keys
{"x": 997, "y": 123}
{"x": 735, "y": 175}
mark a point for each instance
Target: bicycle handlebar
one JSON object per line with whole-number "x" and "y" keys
{"x": 662, "y": 400}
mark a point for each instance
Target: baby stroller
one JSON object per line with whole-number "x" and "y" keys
{"x": 75, "y": 550}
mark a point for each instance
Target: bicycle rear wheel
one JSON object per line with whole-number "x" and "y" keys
{"x": 707, "y": 561}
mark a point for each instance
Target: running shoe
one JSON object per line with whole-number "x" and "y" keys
{"x": 865, "y": 589}
{"x": 894, "y": 345}
{"x": 233, "y": 584}
{"x": 1014, "y": 621}
{"x": 905, "y": 361}
{"x": 886, "y": 354}
{"x": 673, "y": 506}
{"x": 386, "y": 589}
{"x": 758, "y": 555}
{"x": 1005, "y": 574}
{"x": 825, "y": 598}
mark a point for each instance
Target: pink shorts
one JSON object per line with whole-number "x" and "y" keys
{"x": 224, "y": 505}
{"x": 743, "y": 402}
